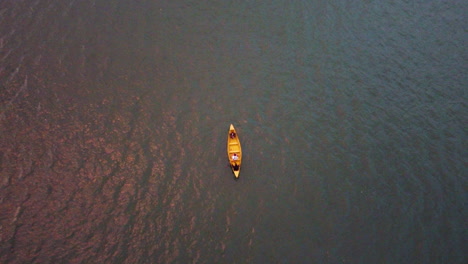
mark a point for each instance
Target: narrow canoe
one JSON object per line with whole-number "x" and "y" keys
{"x": 234, "y": 150}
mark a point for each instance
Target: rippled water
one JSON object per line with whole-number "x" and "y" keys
{"x": 114, "y": 116}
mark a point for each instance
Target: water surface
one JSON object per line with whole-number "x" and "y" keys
{"x": 114, "y": 117}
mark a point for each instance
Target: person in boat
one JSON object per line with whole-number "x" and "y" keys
{"x": 236, "y": 167}
{"x": 235, "y": 157}
{"x": 232, "y": 135}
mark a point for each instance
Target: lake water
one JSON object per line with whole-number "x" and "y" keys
{"x": 114, "y": 118}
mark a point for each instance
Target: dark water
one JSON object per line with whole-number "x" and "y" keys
{"x": 114, "y": 118}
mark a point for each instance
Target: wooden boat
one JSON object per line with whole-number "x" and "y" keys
{"x": 234, "y": 151}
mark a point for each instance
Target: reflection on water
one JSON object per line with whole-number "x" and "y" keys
{"x": 113, "y": 120}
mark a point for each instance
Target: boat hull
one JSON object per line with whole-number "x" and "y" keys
{"x": 234, "y": 150}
